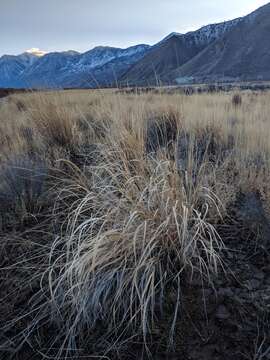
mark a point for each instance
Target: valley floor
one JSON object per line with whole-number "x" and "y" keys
{"x": 135, "y": 225}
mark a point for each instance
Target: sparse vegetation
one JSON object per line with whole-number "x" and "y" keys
{"x": 120, "y": 212}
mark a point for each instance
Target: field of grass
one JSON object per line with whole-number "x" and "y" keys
{"x": 135, "y": 225}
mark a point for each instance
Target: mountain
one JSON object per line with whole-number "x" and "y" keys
{"x": 241, "y": 54}
{"x": 173, "y": 52}
{"x": 161, "y": 59}
{"x": 231, "y": 51}
{"x": 101, "y": 66}
{"x": 49, "y": 70}
{"x": 236, "y": 50}
{"x": 12, "y": 67}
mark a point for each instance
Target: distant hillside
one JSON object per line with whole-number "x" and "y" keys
{"x": 243, "y": 53}
{"x": 11, "y": 68}
{"x": 101, "y": 66}
{"x": 172, "y": 52}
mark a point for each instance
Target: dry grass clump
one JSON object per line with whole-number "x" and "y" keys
{"x": 141, "y": 184}
{"x": 237, "y": 100}
{"x": 22, "y": 185}
{"x": 51, "y": 126}
{"x": 130, "y": 237}
{"x": 162, "y": 129}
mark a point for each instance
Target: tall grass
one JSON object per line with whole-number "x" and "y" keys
{"x": 140, "y": 184}
{"x": 140, "y": 228}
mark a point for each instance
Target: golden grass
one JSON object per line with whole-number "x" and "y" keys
{"x": 139, "y": 184}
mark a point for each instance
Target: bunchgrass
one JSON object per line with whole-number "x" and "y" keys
{"x": 140, "y": 185}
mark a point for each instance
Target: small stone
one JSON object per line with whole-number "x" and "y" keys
{"x": 222, "y": 313}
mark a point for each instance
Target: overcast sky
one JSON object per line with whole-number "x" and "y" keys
{"x": 56, "y": 25}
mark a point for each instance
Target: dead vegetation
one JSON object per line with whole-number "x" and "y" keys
{"x": 119, "y": 204}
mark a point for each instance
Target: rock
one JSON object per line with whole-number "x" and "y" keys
{"x": 222, "y": 313}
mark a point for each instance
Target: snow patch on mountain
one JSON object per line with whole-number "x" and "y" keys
{"x": 206, "y": 34}
{"x": 68, "y": 68}
{"x": 212, "y": 32}
{"x": 103, "y": 54}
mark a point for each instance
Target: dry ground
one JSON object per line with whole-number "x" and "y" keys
{"x": 135, "y": 225}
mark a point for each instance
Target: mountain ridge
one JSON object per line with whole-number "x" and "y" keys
{"x": 225, "y": 59}
{"x": 61, "y": 69}
{"x": 233, "y": 50}
{"x": 193, "y": 42}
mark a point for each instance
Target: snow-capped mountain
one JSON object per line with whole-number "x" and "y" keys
{"x": 12, "y": 67}
{"x": 103, "y": 54}
{"x": 231, "y": 50}
{"x": 206, "y": 34}
{"x": 97, "y": 67}
{"x": 48, "y": 69}
{"x": 212, "y": 32}
{"x": 240, "y": 54}
{"x": 105, "y": 69}
{"x": 173, "y": 51}
{"x": 235, "y": 49}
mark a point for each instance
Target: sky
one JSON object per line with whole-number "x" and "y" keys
{"x": 58, "y": 25}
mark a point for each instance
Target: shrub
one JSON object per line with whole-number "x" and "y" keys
{"x": 129, "y": 238}
{"x": 237, "y": 100}
{"x": 55, "y": 123}
{"x": 162, "y": 130}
